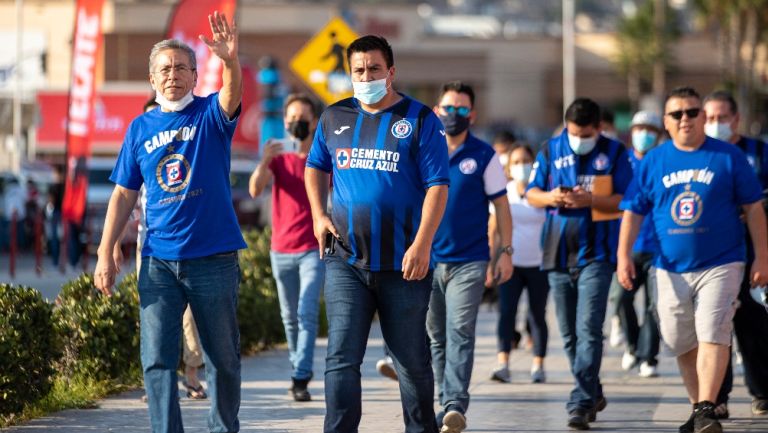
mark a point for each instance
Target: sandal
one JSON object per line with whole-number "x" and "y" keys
{"x": 195, "y": 393}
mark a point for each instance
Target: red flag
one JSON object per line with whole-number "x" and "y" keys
{"x": 190, "y": 19}
{"x": 246, "y": 138}
{"x": 82, "y": 87}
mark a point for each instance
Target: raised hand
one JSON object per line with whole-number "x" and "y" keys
{"x": 224, "y": 42}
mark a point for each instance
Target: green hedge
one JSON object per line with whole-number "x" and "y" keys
{"x": 100, "y": 334}
{"x": 27, "y": 347}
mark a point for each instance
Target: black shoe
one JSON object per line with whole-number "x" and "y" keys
{"x": 577, "y": 419}
{"x": 599, "y": 407}
{"x": 705, "y": 420}
{"x": 760, "y": 406}
{"x": 687, "y": 427}
{"x": 299, "y": 390}
{"x": 721, "y": 411}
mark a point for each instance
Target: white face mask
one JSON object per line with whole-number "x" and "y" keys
{"x": 174, "y": 105}
{"x": 643, "y": 140}
{"x": 581, "y": 146}
{"x": 370, "y": 92}
{"x": 521, "y": 172}
{"x": 720, "y": 131}
{"x": 504, "y": 159}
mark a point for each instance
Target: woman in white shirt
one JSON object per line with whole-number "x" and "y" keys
{"x": 527, "y": 222}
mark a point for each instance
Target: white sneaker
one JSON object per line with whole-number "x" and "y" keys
{"x": 628, "y": 361}
{"x": 648, "y": 370}
{"x": 386, "y": 368}
{"x": 538, "y": 375}
{"x": 501, "y": 374}
{"x": 617, "y": 337}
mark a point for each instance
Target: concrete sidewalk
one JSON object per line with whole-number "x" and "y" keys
{"x": 634, "y": 404}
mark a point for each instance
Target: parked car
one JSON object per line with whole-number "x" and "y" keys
{"x": 251, "y": 212}
{"x": 99, "y": 191}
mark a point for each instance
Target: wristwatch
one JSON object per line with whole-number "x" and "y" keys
{"x": 507, "y": 250}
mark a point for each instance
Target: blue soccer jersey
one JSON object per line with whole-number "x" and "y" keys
{"x": 382, "y": 163}
{"x": 476, "y": 178}
{"x": 570, "y": 237}
{"x": 757, "y": 156}
{"x": 694, "y": 199}
{"x": 182, "y": 158}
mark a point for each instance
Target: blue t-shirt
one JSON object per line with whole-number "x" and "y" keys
{"x": 757, "y": 156}
{"x": 694, "y": 199}
{"x": 463, "y": 232}
{"x": 570, "y": 237}
{"x": 646, "y": 240}
{"x": 382, "y": 163}
{"x": 183, "y": 160}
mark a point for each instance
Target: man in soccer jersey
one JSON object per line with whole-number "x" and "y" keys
{"x": 694, "y": 188}
{"x": 181, "y": 154}
{"x": 751, "y": 320}
{"x": 460, "y": 252}
{"x": 389, "y": 161}
{"x": 579, "y": 177}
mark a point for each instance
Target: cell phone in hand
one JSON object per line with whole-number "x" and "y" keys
{"x": 564, "y": 188}
{"x": 330, "y": 244}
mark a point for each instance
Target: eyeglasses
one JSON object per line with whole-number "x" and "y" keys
{"x": 450, "y": 109}
{"x": 178, "y": 69}
{"x": 691, "y": 113}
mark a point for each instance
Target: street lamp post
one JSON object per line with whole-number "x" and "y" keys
{"x": 569, "y": 55}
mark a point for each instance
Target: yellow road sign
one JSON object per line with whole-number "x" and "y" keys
{"x": 322, "y": 62}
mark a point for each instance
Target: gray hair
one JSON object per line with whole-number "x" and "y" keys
{"x": 172, "y": 44}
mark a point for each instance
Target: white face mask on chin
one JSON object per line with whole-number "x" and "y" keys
{"x": 174, "y": 105}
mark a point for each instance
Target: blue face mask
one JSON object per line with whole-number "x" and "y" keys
{"x": 643, "y": 140}
{"x": 581, "y": 146}
{"x": 370, "y": 92}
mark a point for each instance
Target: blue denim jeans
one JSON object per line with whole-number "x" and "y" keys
{"x": 210, "y": 286}
{"x": 457, "y": 290}
{"x": 299, "y": 278}
{"x": 581, "y": 297}
{"x": 352, "y": 296}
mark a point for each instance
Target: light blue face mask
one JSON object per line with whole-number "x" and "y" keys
{"x": 370, "y": 92}
{"x": 581, "y": 146}
{"x": 643, "y": 140}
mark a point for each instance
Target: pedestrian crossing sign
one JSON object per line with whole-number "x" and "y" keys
{"x": 322, "y": 62}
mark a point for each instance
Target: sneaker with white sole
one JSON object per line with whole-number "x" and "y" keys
{"x": 386, "y": 368}
{"x": 453, "y": 422}
{"x": 538, "y": 375}
{"x": 501, "y": 374}
{"x": 628, "y": 361}
{"x": 616, "y": 337}
{"x": 648, "y": 370}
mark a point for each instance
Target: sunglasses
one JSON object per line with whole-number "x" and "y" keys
{"x": 691, "y": 113}
{"x": 461, "y": 111}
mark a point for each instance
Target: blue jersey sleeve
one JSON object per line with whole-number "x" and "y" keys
{"x": 223, "y": 122}
{"x": 622, "y": 174}
{"x": 747, "y": 188}
{"x": 636, "y": 196}
{"x": 433, "y": 153}
{"x": 319, "y": 157}
{"x": 127, "y": 172}
{"x": 540, "y": 172}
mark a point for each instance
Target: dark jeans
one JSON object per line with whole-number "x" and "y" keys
{"x": 643, "y": 342}
{"x": 581, "y": 298}
{"x": 535, "y": 281}
{"x": 751, "y": 328}
{"x": 352, "y": 296}
{"x": 210, "y": 286}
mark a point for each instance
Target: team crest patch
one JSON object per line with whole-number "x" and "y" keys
{"x": 343, "y": 157}
{"x": 601, "y": 162}
{"x": 173, "y": 173}
{"x": 751, "y": 161}
{"x": 687, "y": 208}
{"x": 468, "y": 166}
{"x": 402, "y": 129}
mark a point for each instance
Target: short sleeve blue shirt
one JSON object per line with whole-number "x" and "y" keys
{"x": 183, "y": 159}
{"x": 694, "y": 199}
{"x": 382, "y": 164}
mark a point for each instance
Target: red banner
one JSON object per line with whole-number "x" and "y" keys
{"x": 85, "y": 53}
{"x": 189, "y": 20}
